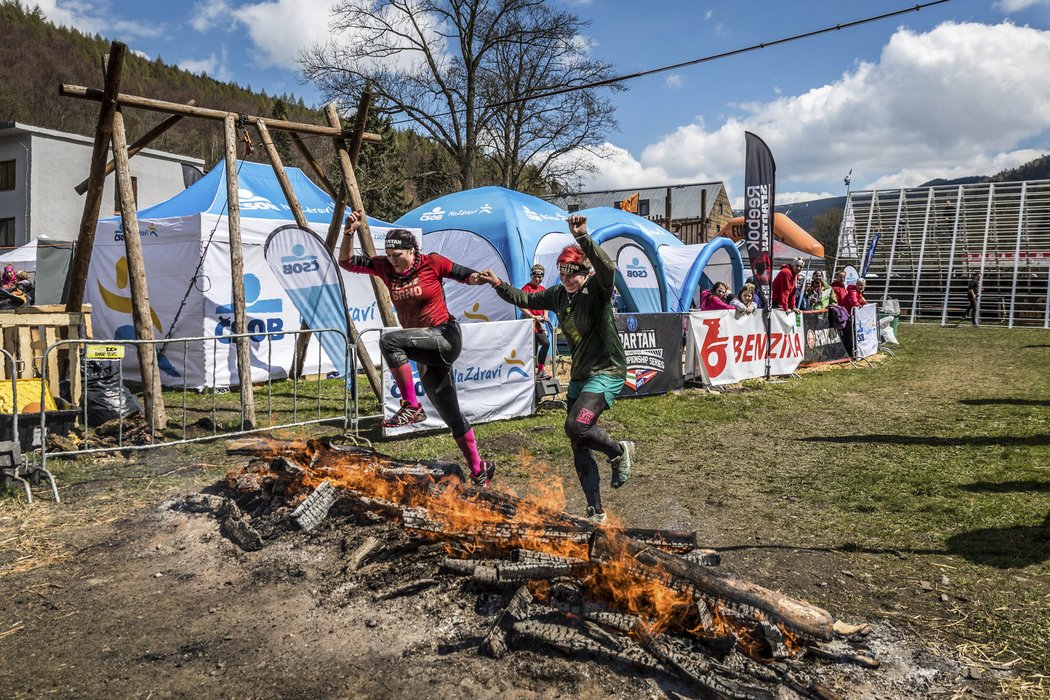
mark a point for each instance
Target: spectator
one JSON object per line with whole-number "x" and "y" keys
{"x": 26, "y": 286}
{"x": 784, "y": 296}
{"x": 745, "y": 301}
{"x": 759, "y": 299}
{"x": 714, "y": 299}
{"x": 855, "y": 295}
{"x": 542, "y": 341}
{"x": 973, "y": 290}
{"x": 838, "y": 288}
{"x": 805, "y": 303}
{"x": 8, "y": 278}
{"x": 821, "y": 292}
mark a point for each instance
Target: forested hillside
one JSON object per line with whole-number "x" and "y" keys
{"x": 36, "y": 57}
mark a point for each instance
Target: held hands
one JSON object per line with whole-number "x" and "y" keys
{"x": 486, "y": 277}
{"x": 577, "y": 225}
{"x": 353, "y": 222}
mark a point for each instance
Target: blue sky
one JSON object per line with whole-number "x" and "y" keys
{"x": 956, "y": 89}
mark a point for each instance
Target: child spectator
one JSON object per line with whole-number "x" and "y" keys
{"x": 714, "y": 299}
{"x": 745, "y": 301}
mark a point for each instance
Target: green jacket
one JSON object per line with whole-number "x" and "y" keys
{"x": 585, "y": 317}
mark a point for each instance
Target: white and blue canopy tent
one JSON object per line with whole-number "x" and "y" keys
{"x": 508, "y": 232}
{"x": 186, "y": 250}
{"x": 491, "y": 228}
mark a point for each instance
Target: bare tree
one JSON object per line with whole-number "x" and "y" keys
{"x": 445, "y": 64}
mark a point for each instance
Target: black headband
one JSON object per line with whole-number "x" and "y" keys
{"x": 573, "y": 269}
{"x": 400, "y": 239}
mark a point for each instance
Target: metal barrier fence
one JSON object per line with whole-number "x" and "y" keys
{"x": 13, "y": 465}
{"x": 217, "y": 420}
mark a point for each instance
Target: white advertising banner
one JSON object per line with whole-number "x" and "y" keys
{"x": 726, "y": 349}
{"x": 865, "y": 331}
{"x": 494, "y": 377}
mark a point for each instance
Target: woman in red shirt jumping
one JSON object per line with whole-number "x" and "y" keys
{"x": 429, "y": 334}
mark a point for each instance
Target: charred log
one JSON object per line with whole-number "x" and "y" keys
{"x": 799, "y": 615}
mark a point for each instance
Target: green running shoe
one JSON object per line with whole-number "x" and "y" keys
{"x": 621, "y": 466}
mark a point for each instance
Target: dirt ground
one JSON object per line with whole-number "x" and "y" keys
{"x": 156, "y": 600}
{"x": 165, "y": 605}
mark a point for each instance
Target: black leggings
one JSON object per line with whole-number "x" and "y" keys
{"x": 581, "y": 425}
{"x": 543, "y": 346}
{"x": 433, "y": 350}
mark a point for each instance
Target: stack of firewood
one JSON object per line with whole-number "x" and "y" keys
{"x": 653, "y": 599}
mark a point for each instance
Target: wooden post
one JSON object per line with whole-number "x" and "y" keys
{"x": 156, "y": 417}
{"x": 359, "y": 126}
{"x": 300, "y": 219}
{"x": 85, "y": 93}
{"x": 96, "y": 178}
{"x": 355, "y": 202}
{"x": 667, "y": 209}
{"x": 703, "y": 216}
{"x": 140, "y": 143}
{"x": 318, "y": 172}
{"x": 240, "y": 317}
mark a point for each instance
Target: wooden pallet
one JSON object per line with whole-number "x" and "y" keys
{"x": 29, "y": 331}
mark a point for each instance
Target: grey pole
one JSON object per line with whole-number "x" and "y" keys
{"x": 1017, "y": 254}
{"x": 951, "y": 255}
{"x": 922, "y": 252}
{"x": 893, "y": 247}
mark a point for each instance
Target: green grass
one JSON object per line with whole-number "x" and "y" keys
{"x": 934, "y": 462}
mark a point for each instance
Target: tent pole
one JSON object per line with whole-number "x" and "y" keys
{"x": 297, "y": 211}
{"x": 96, "y": 179}
{"x": 153, "y": 400}
{"x": 240, "y": 316}
{"x": 355, "y": 201}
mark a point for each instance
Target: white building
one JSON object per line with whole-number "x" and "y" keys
{"x": 40, "y": 167}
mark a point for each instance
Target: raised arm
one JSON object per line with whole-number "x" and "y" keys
{"x": 347, "y": 260}
{"x": 604, "y": 268}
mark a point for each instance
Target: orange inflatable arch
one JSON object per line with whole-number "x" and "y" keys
{"x": 784, "y": 230}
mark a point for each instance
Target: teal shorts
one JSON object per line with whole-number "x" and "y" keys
{"x": 609, "y": 386}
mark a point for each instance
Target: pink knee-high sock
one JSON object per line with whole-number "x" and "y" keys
{"x": 469, "y": 446}
{"x": 403, "y": 379}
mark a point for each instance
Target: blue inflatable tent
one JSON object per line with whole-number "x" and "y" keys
{"x": 507, "y": 231}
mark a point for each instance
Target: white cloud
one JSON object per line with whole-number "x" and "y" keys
{"x": 960, "y": 99}
{"x": 1008, "y": 6}
{"x": 213, "y": 66}
{"x": 674, "y": 80}
{"x": 96, "y": 18}
{"x": 212, "y": 14}
{"x": 279, "y": 29}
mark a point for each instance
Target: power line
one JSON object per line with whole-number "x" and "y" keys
{"x": 705, "y": 59}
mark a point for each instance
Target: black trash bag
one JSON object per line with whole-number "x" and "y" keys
{"x": 107, "y": 398}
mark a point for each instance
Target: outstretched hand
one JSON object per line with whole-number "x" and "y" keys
{"x": 577, "y": 225}
{"x": 488, "y": 277}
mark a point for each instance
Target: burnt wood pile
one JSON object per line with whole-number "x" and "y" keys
{"x": 655, "y": 600}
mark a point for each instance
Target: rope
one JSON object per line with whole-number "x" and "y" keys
{"x": 242, "y": 127}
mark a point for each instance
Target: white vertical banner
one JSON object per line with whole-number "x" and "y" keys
{"x": 495, "y": 377}
{"x": 866, "y": 331}
{"x": 726, "y": 349}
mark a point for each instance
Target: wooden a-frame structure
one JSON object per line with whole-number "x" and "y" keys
{"x": 109, "y": 130}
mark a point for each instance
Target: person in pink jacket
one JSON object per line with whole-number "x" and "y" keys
{"x": 715, "y": 298}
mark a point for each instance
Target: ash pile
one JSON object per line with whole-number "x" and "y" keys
{"x": 653, "y": 601}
